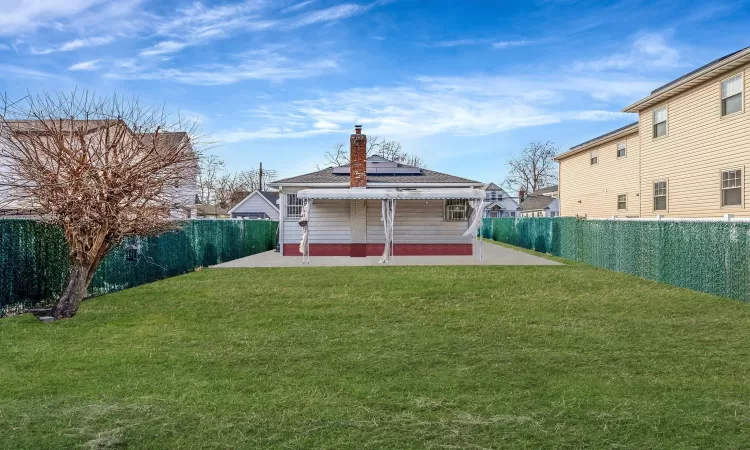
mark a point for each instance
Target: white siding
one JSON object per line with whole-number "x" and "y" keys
{"x": 417, "y": 222}
{"x": 256, "y": 204}
{"x": 329, "y": 224}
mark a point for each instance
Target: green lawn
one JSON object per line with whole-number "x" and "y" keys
{"x": 383, "y": 357}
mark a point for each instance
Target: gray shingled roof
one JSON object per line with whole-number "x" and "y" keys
{"x": 271, "y": 196}
{"x": 327, "y": 176}
{"x": 536, "y": 200}
{"x": 492, "y": 187}
{"x": 634, "y": 124}
{"x": 687, "y": 75}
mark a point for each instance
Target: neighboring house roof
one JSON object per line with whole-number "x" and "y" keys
{"x": 494, "y": 204}
{"x": 538, "y": 200}
{"x": 492, "y": 187}
{"x": 691, "y": 79}
{"x": 327, "y": 176}
{"x": 545, "y": 190}
{"x": 271, "y": 197}
{"x": 599, "y": 140}
{"x": 210, "y": 210}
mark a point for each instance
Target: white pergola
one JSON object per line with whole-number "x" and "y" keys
{"x": 388, "y": 198}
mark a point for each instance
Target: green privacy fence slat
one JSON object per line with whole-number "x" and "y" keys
{"x": 34, "y": 257}
{"x": 712, "y": 257}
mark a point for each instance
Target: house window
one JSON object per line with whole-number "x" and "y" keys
{"x": 552, "y": 214}
{"x": 293, "y": 206}
{"x": 456, "y": 209}
{"x": 660, "y": 122}
{"x": 731, "y": 187}
{"x": 660, "y": 196}
{"x": 731, "y": 95}
{"x": 622, "y": 201}
{"x": 621, "y": 151}
{"x": 594, "y": 157}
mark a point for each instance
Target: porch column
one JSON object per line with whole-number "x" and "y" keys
{"x": 358, "y": 225}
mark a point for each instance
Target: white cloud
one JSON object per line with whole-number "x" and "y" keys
{"x": 327, "y": 15}
{"x": 459, "y": 43}
{"x": 298, "y": 6}
{"x": 12, "y": 71}
{"x": 506, "y": 44}
{"x": 648, "y": 50}
{"x": 164, "y": 47}
{"x": 86, "y": 65}
{"x": 473, "y": 105}
{"x": 471, "y": 41}
{"x": 75, "y": 45}
{"x": 22, "y": 16}
{"x": 273, "y": 67}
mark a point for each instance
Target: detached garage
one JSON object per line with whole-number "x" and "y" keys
{"x": 258, "y": 205}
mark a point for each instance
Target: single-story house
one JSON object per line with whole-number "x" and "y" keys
{"x": 257, "y": 205}
{"x": 543, "y": 202}
{"x": 356, "y": 209}
{"x": 497, "y": 203}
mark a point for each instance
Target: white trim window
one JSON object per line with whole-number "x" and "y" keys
{"x": 293, "y": 206}
{"x": 660, "y": 122}
{"x": 731, "y": 95}
{"x": 594, "y": 157}
{"x": 621, "y": 150}
{"x": 455, "y": 209}
{"x": 731, "y": 187}
{"x": 622, "y": 201}
{"x": 660, "y": 195}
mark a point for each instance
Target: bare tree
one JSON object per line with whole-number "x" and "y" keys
{"x": 391, "y": 150}
{"x": 221, "y": 188}
{"x": 210, "y": 169}
{"x": 533, "y": 169}
{"x": 103, "y": 169}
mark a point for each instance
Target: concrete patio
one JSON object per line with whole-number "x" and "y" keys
{"x": 494, "y": 255}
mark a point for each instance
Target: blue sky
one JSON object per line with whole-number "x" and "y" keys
{"x": 464, "y": 84}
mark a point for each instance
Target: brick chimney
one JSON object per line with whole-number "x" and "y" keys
{"x": 521, "y": 195}
{"x": 358, "y": 159}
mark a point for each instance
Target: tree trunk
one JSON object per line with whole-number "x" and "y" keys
{"x": 78, "y": 282}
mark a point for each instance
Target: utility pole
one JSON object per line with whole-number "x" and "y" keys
{"x": 260, "y": 176}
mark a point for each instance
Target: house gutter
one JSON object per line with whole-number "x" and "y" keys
{"x": 696, "y": 78}
{"x": 608, "y": 138}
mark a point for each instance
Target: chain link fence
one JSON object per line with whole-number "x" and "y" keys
{"x": 34, "y": 259}
{"x": 706, "y": 256}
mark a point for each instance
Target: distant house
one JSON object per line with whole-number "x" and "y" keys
{"x": 543, "y": 202}
{"x": 498, "y": 203}
{"x": 211, "y": 212}
{"x": 257, "y": 205}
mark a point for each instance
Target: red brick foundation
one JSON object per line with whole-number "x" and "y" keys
{"x": 356, "y": 250}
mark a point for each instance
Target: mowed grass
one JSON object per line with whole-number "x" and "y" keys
{"x": 383, "y": 357}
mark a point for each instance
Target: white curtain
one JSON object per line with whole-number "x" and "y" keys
{"x": 388, "y": 217}
{"x": 732, "y": 86}
{"x": 660, "y": 115}
{"x": 475, "y": 226}
{"x": 304, "y": 245}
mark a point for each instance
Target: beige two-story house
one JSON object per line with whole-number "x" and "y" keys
{"x": 599, "y": 178}
{"x": 685, "y": 157}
